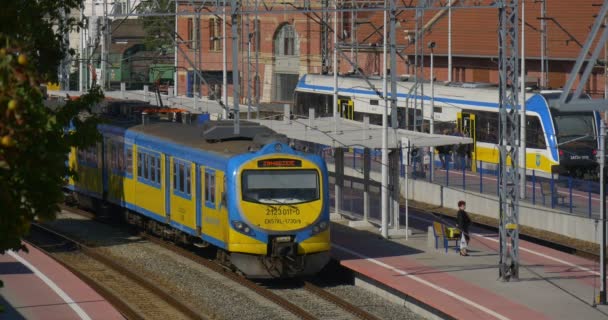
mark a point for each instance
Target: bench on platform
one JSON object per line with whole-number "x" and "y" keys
{"x": 545, "y": 191}
{"x": 443, "y": 232}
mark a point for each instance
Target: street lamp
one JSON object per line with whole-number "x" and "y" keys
{"x": 431, "y": 46}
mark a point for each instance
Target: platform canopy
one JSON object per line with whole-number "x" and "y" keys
{"x": 351, "y": 133}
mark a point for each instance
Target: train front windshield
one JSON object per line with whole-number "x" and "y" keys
{"x": 280, "y": 186}
{"x": 573, "y": 128}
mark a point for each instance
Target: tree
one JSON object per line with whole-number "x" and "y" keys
{"x": 34, "y": 141}
{"x": 160, "y": 29}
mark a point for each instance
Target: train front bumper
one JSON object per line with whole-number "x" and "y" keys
{"x": 256, "y": 266}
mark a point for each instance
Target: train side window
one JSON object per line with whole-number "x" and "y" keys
{"x": 129, "y": 159}
{"x": 175, "y": 175}
{"x": 210, "y": 188}
{"x": 152, "y": 169}
{"x": 188, "y": 184}
{"x": 373, "y": 102}
{"x": 535, "y": 135}
{"x": 486, "y": 126}
{"x": 148, "y": 168}
{"x": 157, "y": 158}
{"x": 181, "y": 178}
{"x": 140, "y": 164}
{"x": 88, "y": 156}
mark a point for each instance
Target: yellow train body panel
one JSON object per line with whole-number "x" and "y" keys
{"x": 183, "y": 211}
{"x": 317, "y": 243}
{"x": 246, "y": 244}
{"x": 535, "y": 159}
{"x": 72, "y": 165}
{"x": 89, "y": 177}
{"x": 115, "y": 186}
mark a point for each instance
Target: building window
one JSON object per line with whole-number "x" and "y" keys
{"x": 148, "y": 168}
{"x": 182, "y": 178}
{"x": 256, "y": 38}
{"x": 120, "y": 7}
{"x": 215, "y": 36}
{"x": 256, "y": 88}
{"x": 210, "y": 188}
{"x": 192, "y": 34}
{"x": 286, "y": 42}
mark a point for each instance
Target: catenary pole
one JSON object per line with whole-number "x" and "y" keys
{"x": 384, "y": 188}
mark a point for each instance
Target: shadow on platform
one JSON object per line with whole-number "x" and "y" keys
{"x": 370, "y": 244}
{"x": 13, "y": 268}
{"x": 9, "y": 312}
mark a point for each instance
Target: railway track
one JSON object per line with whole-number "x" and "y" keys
{"x": 345, "y": 305}
{"x": 265, "y": 292}
{"x": 301, "y": 312}
{"x": 132, "y": 295}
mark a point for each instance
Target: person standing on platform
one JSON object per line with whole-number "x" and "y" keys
{"x": 463, "y": 221}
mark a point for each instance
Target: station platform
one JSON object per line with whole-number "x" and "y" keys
{"x": 37, "y": 287}
{"x": 440, "y": 285}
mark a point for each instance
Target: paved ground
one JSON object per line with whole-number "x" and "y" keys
{"x": 552, "y": 284}
{"x": 37, "y": 287}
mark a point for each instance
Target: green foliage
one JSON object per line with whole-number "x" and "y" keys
{"x": 158, "y": 30}
{"x": 34, "y": 142}
{"x": 37, "y": 25}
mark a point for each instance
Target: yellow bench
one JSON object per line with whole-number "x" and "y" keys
{"x": 447, "y": 234}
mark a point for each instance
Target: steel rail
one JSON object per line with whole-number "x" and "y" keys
{"x": 113, "y": 299}
{"x": 347, "y": 306}
{"x": 282, "y": 302}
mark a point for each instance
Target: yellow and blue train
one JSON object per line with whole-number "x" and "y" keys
{"x": 264, "y": 205}
{"x": 557, "y": 141}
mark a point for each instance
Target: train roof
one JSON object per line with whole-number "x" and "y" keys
{"x": 356, "y": 85}
{"x": 192, "y": 135}
{"x": 188, "y": 130}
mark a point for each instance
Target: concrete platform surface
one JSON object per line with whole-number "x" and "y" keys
{"x": 37, "y": 287}
{"x": 552, "y": 284}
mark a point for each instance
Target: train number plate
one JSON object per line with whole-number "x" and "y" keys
{"x": 283, "y": 239}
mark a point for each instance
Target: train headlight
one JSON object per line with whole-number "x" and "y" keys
{"x": 321, "y": 226}
{"x": 242, "y": 228}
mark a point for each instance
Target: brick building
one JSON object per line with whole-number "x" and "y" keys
{"x": 290, "y": 46}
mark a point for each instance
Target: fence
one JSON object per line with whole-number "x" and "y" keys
{"x": 566, "y": 194}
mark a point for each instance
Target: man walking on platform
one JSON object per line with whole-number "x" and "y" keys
{"x": 463, "y": 221}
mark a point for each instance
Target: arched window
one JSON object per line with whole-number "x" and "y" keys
{"x": 286, "y": 42}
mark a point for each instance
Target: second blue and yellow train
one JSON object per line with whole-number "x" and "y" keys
{"x": 557, "y": 141}
{"x": 262, "y": 204}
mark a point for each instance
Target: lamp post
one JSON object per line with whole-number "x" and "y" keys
{"x": 431, "y": 46}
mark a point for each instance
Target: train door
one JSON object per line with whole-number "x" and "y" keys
{"x": 347, "y": 108}
{"x": 466, "y": 126}
{"x": 214, "y": 216}
{"x": 168, "y": 187}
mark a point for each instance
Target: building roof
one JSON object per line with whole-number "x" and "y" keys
{"x": 354, "y": 134}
